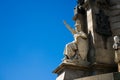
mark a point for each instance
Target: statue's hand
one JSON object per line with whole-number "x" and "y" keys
{"x": 64, "y": 22}
{"x": 69, "y": 28}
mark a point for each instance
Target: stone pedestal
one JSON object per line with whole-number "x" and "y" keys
{"x": 71, "y": 71}
{"x": 103, "y": 68}
{"x": 109, "y": 76}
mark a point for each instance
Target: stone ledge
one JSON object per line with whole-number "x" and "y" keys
{"x": 102, "y": 66}
{"x": 70, "y": 71}
{"x": 70, "y": 66}
{"x": 98, "y": 68}
{"x": 108, "y": 76}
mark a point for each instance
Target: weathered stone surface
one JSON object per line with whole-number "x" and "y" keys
{"x": 114, "y": 13}
{"x": 104, "y": 56}
{"x": 61, "y": 77}
{"x": 71, "y": 71}
{"x": 115, "y": 25}
{"x": 116, "y": 32}
{"x": 109, "y": 76}
{"x": 116, "y": 76}
{"x": 115, "y": 7}
{"x": 114, "y": 19}
{"x": 114, "y": 2}
{"x": 97, "y": 44}
{"x": 98, "y": 68}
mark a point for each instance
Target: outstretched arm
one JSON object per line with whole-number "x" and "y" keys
{"x": 69, "y": 28}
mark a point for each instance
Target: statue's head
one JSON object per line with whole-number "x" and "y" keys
{"x": 116, "y": 39}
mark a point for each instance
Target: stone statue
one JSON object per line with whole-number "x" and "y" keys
{"x": 116, "y": 46}
{"x": 78, "y": 49}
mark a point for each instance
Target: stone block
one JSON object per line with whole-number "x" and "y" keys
{"x": 116, "y": 32}
{"x": 115, "y": 25}
{"x": 105, "y": 76}
{"x": 98, "y": 68}
{"x": 114, "y": 13}
{"x": 115, "y": 7}
{"x": 108, "y": 76}
{"x": 114, "y": 19}
{"x": 71, "y": 71}
{"x": 61, "y": 77}
{"x": 114, "y": 2}
{"x": 104, "y": 56}
{"x": 116, "y": 76}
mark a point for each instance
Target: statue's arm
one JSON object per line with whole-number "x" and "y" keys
{"x": 69, "y": 28}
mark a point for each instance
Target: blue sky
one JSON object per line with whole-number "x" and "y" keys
{"x": 32, "y": 37}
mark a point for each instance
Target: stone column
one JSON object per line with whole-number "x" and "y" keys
{"x": 101, "y": 53}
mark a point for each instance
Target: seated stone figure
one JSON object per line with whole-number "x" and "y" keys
{"x": 77, "y": 49}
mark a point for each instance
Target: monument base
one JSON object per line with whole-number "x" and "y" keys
{"x": 71, "y": 71}
{"x": 108, "y": 76}
{"x": 98, "y": 68}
